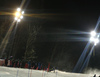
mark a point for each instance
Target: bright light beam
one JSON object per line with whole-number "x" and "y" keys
{"x": 87, "y": 59}
{"x": 5, "y": 40}
{"x": 13, "y": 35}
{"x": 22, "y": 3}
{"x": 81, "y": 59}
{"x": 98, "y": 22}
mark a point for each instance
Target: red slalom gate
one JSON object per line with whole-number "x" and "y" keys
{"x": 26, "y": 65}
{"x": 48, "y": 67}
{"x": 31, "y": 71}
{"x": 37, "y": 68}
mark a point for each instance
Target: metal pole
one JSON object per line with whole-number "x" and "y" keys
{"x": 17, "y": 73}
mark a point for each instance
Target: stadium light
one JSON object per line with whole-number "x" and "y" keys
{"x": 94, "y": 38}
{"x": 22, "y": 12}
{"x": 19, "y": 15}
{"x": 93, "y": 33}
{"x": 18, "y": 20}
{"x": 18, "y": 9}
{"x": 96, "y": 41}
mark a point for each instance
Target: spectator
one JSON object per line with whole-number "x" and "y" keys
{"x": 39, "y": 65}
{"x": 6, "y": 61}
{"x": 33, "y": 64}
{"x": 20, "y": 63}
{"x": 23, "y": 63}
{"x": 29, "y": 64}
{"x": 13, "y": 62}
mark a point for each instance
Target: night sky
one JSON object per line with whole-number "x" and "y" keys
{"x": 69, "y": 15}
{"x": 81, "y": 15}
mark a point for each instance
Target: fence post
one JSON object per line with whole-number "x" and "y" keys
{"x": 28, "y": 72}
{"x": 17, "y": 73}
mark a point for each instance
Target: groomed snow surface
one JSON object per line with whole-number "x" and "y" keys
{"x": 19, "y": 72}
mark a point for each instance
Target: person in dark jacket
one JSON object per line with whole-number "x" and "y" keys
{"x": 23, "y": 64}
{"x": 29, "y": 64}
{"x": 6, "y": 61}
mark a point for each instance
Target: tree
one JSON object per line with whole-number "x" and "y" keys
{"x": 30, "y": 52}
{"x": 3, "y": 39}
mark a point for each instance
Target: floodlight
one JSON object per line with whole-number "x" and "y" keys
{"x": 18, "y": 9}
{"x": 17, "y": 14}
{"x": 93, "y": 33}
{"x": 92, "y": 39}
{"x": 96, "y": 40}
{"x": 98, "y": 36}
{"x": 21, "y": 17}
{"x": 95, "y": 44}
{"x": 18, "y": 20}
{"x": 22, "y": 12}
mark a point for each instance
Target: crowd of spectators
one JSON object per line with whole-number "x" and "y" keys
{"x": 24, "y": 64}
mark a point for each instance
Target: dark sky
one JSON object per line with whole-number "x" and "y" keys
{"x": 66, "y": 5}
{"x": 77, "y": 14}
{"x": 73, "y": 4}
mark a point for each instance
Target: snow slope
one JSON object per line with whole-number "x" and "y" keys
{"x": 19, "y": 72}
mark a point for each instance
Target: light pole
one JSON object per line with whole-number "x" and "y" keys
{"x": 95, "y": 40}
{"x": 18, "y": 16}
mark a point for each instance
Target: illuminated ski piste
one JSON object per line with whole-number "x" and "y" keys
{"x": 19, "y": 72}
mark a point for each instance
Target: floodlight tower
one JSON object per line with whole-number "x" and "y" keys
{"x": 94, "y": 37}
{"x": 19, "y": 15}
